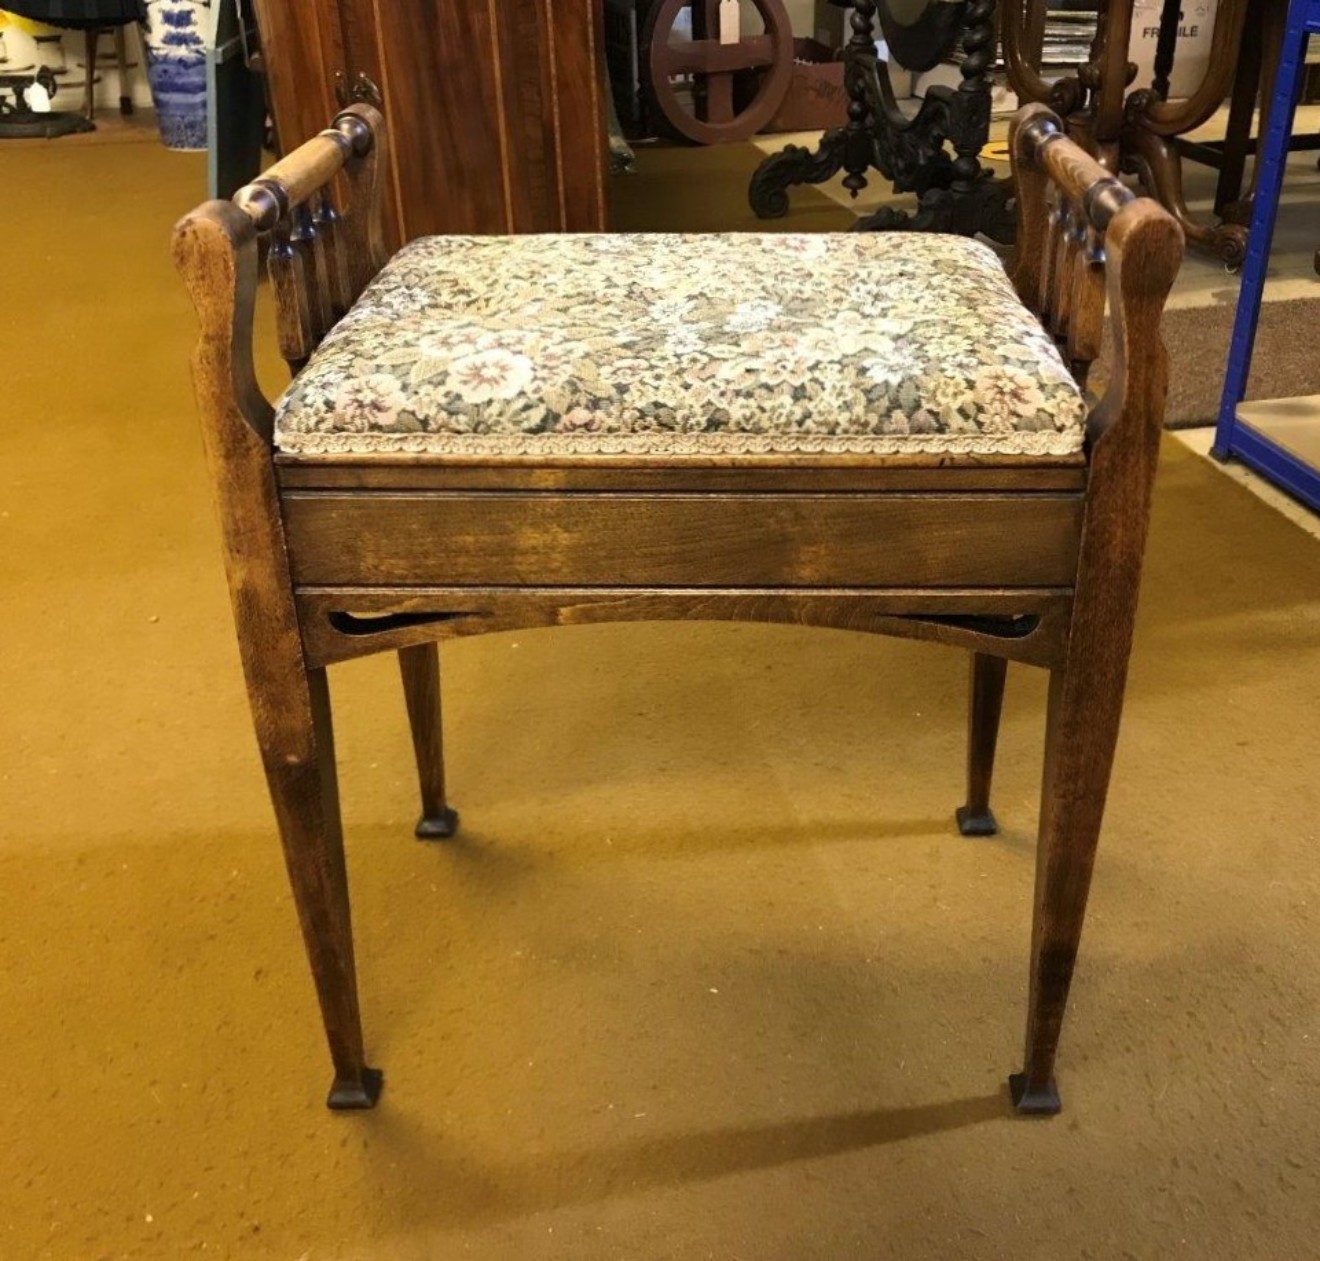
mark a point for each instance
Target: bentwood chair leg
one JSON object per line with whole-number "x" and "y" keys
{"x": 420, "y": 667}
{"x": 984, "y": 707}
{"x": 297, "y": 746}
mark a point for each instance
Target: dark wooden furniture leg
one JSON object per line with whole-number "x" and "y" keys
{"x": 420, "y": 667}
{"x": 121, "y": 61}
{"x": 1086, "y": 700}
{"x": 90, "y": 37}
{"x": 1085, "y": 704}
{"x": 987, "y": 701}
{"x": 297, "y": 746}
{"x": 216, "y": 250}
{"x": 1237, "y": 136}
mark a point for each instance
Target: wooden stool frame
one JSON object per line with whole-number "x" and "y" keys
{"x": 334, "y": 557}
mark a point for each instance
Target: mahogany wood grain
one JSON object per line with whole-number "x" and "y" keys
{"x": 433, "y": 62}
{"x": 302, "y": 45}
{"x": 529, "y": 161}
{"x": 575, "y": 79}
{"x": 497, "y": 106}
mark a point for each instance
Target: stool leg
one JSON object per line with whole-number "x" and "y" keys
{"x": 420, "y": 668}
{"x": 986, "y": 702}
{"x": 1085, "y": 706}
{"x": 121, "y": 60}
{"x": 292, "y": 712}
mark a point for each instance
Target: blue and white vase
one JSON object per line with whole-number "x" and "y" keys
{"x": 176, "y": 66}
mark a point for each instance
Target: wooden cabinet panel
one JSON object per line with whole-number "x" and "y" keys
{"x": 495, "y": 107}
{"x": 434, "y": 61}
{"x": 302, "y": 45}
{"x": 575, "y": 63}
{"x": 528, "y": 94}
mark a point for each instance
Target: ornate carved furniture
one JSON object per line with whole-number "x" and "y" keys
{"x": 1265, "y": 435}
{"x": 1253, "y": 84}
{"x": 854, "y": 431}
{"x": 1132, "y": 131}
{"x": 955, "y": 194}
{"x": 498, "y": 109}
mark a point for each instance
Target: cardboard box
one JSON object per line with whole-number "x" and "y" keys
{"x": 816, "y": 98}
{"x": 1196, "y": 29}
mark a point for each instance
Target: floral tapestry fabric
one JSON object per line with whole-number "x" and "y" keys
{"x": 712, "y": 344}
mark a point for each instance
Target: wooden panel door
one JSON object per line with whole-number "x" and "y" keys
{"x": 302, "y": 43}
{"x": 495, "y": 109}
{"x": 574, "y": 64}
{"x": 433, "y": 61}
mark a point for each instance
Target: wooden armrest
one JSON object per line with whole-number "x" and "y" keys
{"x": 324, "y": 250}
{"x": 1086, "y": 241}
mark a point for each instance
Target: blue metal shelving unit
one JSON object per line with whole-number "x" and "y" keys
{"x": 1235, "y": 435}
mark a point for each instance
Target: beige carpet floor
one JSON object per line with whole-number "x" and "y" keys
{"x": 709, "y": 973}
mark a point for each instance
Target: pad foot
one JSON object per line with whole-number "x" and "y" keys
{"x": 979, "y": 823}
{"x": 354, "y": 1096}
{"x": 1043, "y": 1101}
{"x": 437, "y": 827}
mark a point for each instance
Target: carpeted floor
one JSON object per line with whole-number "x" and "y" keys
{"x": 705, "y": 190}
{"x": 709, "y": 973}
{"x": 1285, "y": 364}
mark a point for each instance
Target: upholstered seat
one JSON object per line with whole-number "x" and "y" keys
{"x": 634, "y": 428}
{"x": 673, "y": 345}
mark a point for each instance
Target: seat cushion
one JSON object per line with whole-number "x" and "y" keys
{"x": 714, "y": 344}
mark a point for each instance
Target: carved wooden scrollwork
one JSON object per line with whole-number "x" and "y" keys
{"x": 1133, "y": 130}
{"x": 934, "y": 154}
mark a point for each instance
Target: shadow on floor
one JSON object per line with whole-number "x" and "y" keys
{"x": 455, "y": 1190}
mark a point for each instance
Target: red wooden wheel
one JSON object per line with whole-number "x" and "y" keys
{"x": 712, "y": 64}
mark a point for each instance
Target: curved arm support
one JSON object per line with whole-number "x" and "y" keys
{"x": 1075, "y": 219}
{"x": 1144, "y": 247}
{"x": 215, "y": 251}
{"x": 1017, "y": 17}
{"x": 1172, "y": 118}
